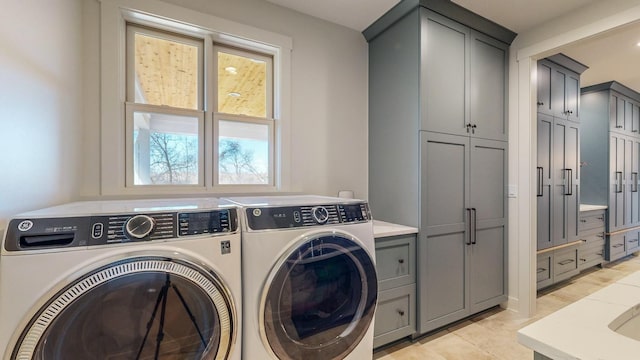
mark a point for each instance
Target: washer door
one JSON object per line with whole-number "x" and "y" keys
{"x": 320, "y": 299}
{"x": 139, "y": 308}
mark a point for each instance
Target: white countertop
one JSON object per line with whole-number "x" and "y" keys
{"x": 384, "y": 229}
{"x": 581, "y": 330}
{"x": 587, "y": 207}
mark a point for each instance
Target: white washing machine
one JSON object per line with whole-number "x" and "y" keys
{"x": 144, "y": 279}
{"x": 309, "y": 278}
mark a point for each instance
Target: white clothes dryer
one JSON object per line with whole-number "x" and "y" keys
{"x": 144, "y": 279}
{"x": 309, "y": 278}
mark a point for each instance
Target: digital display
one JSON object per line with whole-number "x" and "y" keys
{"x": 274, "y": 218}
{"x": 204, "y": 222}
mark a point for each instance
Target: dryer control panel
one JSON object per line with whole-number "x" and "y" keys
{"x": 63, "y": 232}
{"x": 283, "y": 217}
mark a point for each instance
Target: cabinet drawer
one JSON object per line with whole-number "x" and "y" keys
{"x": 591, "y": 220}
{"x": 395, "y": 315}
{"x": 631, "y": 240}
{"x": 597, "y": 237}
{"x": 565, "y": 264}
{"x": 616, "y": 247}
{"x": 543, "y": 270}
{"x": 594, "y": 254}
{"x": 395, "y": 262}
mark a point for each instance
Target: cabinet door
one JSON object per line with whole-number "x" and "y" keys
{"x": 487, "y": 253}
{"x": 543, "y": 181}
{"x": 445, "y": 62}
{"x": 616, "y": 116}
{"x": 558, "y": 92}
{"x": 634, "y": 194}
{"x": 560, "y": 183}
{"x": 488, "y": 71}
{"x": 616, "y": 181}
{"x": 544, "y": 87}
{"x": 572, "y": 96}
{"x": 635, "y": 119}
{"x": 445, "y": 229}
{"x": 572, "y": 179}
{"x": 628, "y": 115}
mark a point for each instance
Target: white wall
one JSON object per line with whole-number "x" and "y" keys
{"x": 545, "y": 40}
{"x": 328, "y": 85}
{"x": 40, "y": 103}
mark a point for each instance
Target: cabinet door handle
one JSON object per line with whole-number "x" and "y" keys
{"x": 468, "y": 239}
{"x": 569, "y": 182}
{"x": 473, "y": 128}
{"x": 540, "y": 103}
{"x": 634, "y": 182}
{"x": 618, "y": 245}
{"x": 401, "y": 261}
{"x": 583, "y": 260}
{"x": 634, "y": 240}
{"x": 601, "y": 218}
{"x": 583, "y": 240}
{"x": 401, "y": 312}
{"x": 565, "y": 262}
{"x": 468, "y": 126}
{"x": 540, "y": 180}
{"x": 618, "y": 181}
{"x": 475, "y": 225}
{"x": 541, "y": 270}
{"x": 618, "y": 126}
{"x": 583, "y": 220}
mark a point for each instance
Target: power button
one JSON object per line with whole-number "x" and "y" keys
{"x": 96, "y": 230}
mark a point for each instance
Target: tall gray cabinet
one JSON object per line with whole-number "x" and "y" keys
{"x": 438, "y": 150}
{"x": 558, "y": 168}
{"x": 611, "y": 155}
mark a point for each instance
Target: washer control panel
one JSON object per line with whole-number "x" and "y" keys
{"x": 47, "y": 233}
{"x": 264, "y": 218}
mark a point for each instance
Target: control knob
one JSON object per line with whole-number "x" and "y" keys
{"x": 320, "y": 214}
{"x": 139, "y": 226}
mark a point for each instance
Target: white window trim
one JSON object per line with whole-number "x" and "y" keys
{"x": 114, "y": 15}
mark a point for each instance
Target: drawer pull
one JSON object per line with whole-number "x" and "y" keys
{"x": 618, "y": 245}
{"x": 401, "y": 312}
{"x": 634, "y": 240}
{"x": 600, "y": 235}
{"x": 600, "y": 218}
{"x": 583, "y": 220}
{"x": 541, "y": 270}
{"x": 599, "y": 254}
{"x": 583, "y": 240}
{"x": 401, "y": 261}
{"x": 565, "y": 262}
{"x": 583, "y": 260}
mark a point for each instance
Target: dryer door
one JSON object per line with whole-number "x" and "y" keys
{"x": 139, "y": 308}
{"x": 320, "y": 299}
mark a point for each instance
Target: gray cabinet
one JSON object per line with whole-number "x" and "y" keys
{"x": 396, "y": 268}
{"x": 611, "y": 146}
{"x": 558, "y": 151}
{"x": 558, "y": 181}
{"x": 438, "y": 151}
{"x": 462, "y": 264}
{"x": 592, "y": 234}
{"x": 559, "y": 87}
{"x": 465, "y": 77}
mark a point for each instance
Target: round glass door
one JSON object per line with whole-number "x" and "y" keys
{"x": 141, "y": 308}
{"x": 320, "y": 299}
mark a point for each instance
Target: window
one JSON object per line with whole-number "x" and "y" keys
{"x": 188, "y": 109}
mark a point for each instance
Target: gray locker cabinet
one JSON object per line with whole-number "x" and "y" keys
{"x": 462, "y": 268}
{"x": 435, "y": 70}
{"x": 558, "y": 181}
{"x": 611, "y": 120}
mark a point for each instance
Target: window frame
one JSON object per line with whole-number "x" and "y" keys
{"x": 116, "y": 121}
{"x": 220, "y": 116}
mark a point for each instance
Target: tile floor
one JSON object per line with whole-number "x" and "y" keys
{"x": 491, "y": 335}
